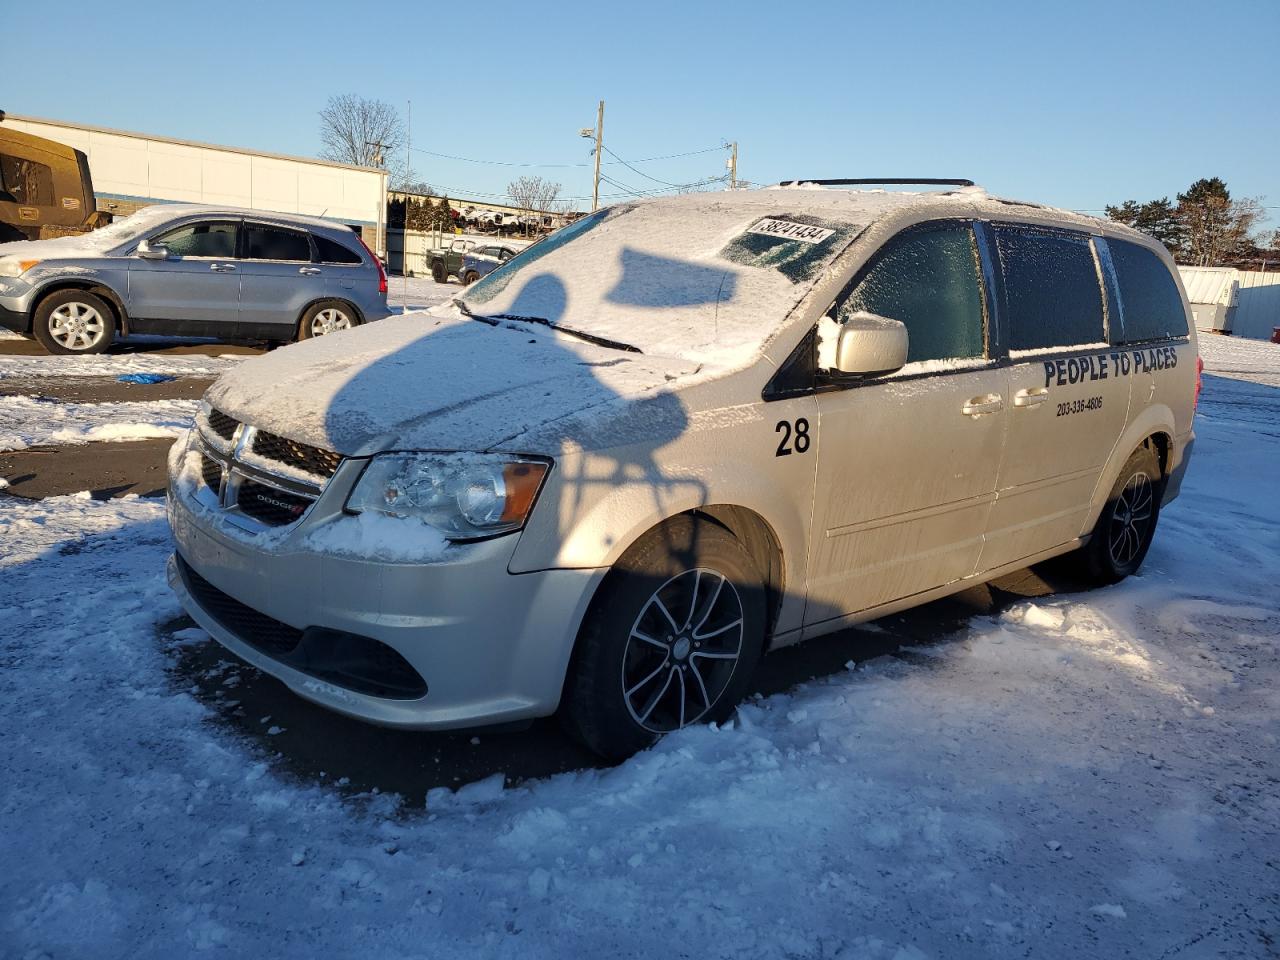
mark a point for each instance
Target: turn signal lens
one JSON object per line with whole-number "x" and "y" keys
{"x": 1199, "y": 382}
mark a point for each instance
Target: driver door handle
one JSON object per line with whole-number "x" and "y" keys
{"x": 1031, "y": 397}
{"x": 310, "y": 271}
{"x": 979, "y": 406}
{"x": 222, "y": 267}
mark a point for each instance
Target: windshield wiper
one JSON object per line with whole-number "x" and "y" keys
{"x": 543, "y": 321}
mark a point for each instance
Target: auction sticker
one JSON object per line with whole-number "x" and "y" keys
{"x": 790, "y": 230}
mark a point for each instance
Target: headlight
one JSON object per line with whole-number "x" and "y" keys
{"x": 13, "y": 267}
{"x": 464, "y": 496}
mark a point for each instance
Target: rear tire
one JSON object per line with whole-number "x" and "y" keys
{"x": 671, "y": 638}
{"x": 327, "y": 316}
{"x": 438, "y": 273}
{"x": 74, "y": 322}
{"x": 1127, "y": 524}
{"x": 471, "y": 277}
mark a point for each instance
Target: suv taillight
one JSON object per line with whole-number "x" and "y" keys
{"x": 1199, "y": 382}
{"x": 382, "y": 273}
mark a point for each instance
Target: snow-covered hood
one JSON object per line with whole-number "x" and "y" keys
{"x": 428, "y": 382}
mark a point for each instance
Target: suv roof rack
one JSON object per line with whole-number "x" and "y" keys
{"x": 863, "y": 181}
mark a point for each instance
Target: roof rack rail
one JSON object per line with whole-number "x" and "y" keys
{"x": 863, "y": 181}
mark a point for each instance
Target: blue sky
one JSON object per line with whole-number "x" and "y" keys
{"x": 1076, "y": 104}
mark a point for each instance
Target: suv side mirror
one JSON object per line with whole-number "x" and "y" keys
{"x": 870, "y": 344}
{"x": 153, "y": 251}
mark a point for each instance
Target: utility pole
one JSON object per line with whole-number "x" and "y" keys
{"x": 404, "y": 236}
{"x": 595, "y": 192}
{"x": 733, "y": 166}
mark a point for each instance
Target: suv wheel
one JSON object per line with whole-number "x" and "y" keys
{"x": 670, "y": 640}
{"x": 471, "y": 277}
{"x": 438, "y": 273}
{"x": 1124, "y": 530}
{"x": 327, "y": 316}
{"x": 74, "y": 321}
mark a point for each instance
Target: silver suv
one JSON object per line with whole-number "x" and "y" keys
{"x": 190, "y": 270}
{"x": 674, "y": 435}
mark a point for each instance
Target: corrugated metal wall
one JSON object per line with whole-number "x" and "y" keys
{"x": 1257, "y": 305}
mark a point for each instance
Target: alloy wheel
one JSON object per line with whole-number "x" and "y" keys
{"x": 682, "y": 650}
{"x": 1131, "y": 519}
{"x": 76, "y": 326}
{"x": 329, "y": 320}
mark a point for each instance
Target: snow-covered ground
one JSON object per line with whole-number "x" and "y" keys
{"x": 1086, "y": 776}
{"x": 30, "y": 421}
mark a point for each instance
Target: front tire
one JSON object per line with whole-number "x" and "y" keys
{"x": 671, "y": 639}
{"x": 471, "y": 277}
{"x": 1125, "y": 528}
{"x": 325, "y": 317}
{"x": 74, "y": 322}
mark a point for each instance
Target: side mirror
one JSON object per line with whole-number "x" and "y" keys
{"x": 153, "y": 251}
{"x": 870, "y": 344}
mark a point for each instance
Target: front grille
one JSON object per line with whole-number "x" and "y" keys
{"x": 256, "y": 629}
{"x": 222, "y": 425}
{"x": 269, "y": 505}
{"x": 301, "y": 456}
{"x": 210, "y": 472}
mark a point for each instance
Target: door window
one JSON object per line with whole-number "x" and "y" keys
{"x": 929, "y": 280}
{"x": 25, "y": 182}
{"x": 1150, "y": 300}
{"x": 205, "y": 239}
{"x": 272, "y": 243}
{"x": 1051, "y": 287}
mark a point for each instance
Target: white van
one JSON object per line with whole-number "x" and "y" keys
{"x": 611, "y": 475}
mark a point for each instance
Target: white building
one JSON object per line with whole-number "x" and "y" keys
{"x": 131, "y": 170}
{"x": 1245, "y": 303}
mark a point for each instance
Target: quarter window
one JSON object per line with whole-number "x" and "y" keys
{"x": 25, "y": 182}
{"x": 208, "y": 239}
{"x": 928, "y": 280}
{"x": 330, "y": 251}
{"x": 1150, "y": 300}
{"x": 269, "y": 243}
{"x": 1051, "y": 289}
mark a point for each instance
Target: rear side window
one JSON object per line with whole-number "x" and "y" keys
{"x": 206, "y": 239}
{"x": 330, "y": 251}
{"x": 1148, "y": 296}
{"x": 927, "y": 280}
{"x": 1051, "y": 289}
{"x": 25, "y": 182}
{"x": 271, "y": 243}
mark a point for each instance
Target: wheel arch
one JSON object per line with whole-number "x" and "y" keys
{"x": 97, "y": 288}
{"x": 1154, "y": 428}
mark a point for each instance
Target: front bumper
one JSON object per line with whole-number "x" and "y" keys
{"x": 491, "y": 646}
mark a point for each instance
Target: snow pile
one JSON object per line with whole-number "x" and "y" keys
{"x": 112, "y": 365}
{"x": 1088, "y": 775}
{"x": 30, "y": 421}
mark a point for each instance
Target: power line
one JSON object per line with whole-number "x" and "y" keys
{"x": 513, "y": 163}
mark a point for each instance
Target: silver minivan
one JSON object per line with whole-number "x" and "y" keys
{"x": 614, "y": 473}
{"x": 188, "y": 270}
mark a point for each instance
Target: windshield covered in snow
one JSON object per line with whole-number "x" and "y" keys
{"x": 121, "y": 231}
{"x": 709, "y": 277}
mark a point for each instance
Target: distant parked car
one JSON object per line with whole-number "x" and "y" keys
{"x": 482, "y": 261}
{"x": 447, "y": 261}
{"x": 191, "y": 270}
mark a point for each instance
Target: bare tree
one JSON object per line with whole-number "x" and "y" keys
{"x": 364, "y": 132}
{"x": 536, "y": 196}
